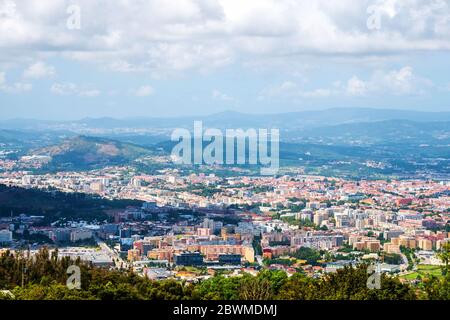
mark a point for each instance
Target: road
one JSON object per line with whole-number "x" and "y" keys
{"x": 118, "y": 261}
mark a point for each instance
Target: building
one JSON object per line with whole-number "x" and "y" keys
{"x": 230, "y": 259}
{"x": 404, "y": 241}
{"x": 319, "y": 217}
{"x": 212, "y": 252}
{"x": 389, "y": 234}
{"x": 342, "y": 221}
{"x": 391, "y": 248}
{"x": 425, "y": 244}
{"x": 203, "y": 232}
{"x": 304, "y": 215}
{"x": 97, "y": 186}
{"x": 134, "y": 255}
{"x": 149, "y": 206}
{"x": 126, "y": 244}
{"x": 5, "y": 237}
{"x": 136, "y": 182}
{"x": 188, "y": 259}
{"x": 107, "y": 230}
{"x": 367, "y": 244}
{"x": 125, "y": 232}
{"x": 61, "y": 235}
{"x": 158, "y": 273}
{"x": 94, "y": 256}
{"x": 80, "y": 235}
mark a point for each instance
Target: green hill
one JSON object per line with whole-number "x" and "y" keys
{"x": 84, "y": 152}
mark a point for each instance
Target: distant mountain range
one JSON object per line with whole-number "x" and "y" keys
{"x": 231, "y": 119}
{"x": 381, "y": 132}
{"x": 334, "y": 142}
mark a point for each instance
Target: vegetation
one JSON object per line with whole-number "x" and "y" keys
{"x": 54, "y": 205}
{"x": 392, "y": 258}
{"x": 310, "y": 255}
{"x": 424, "y": 271}
{"x": 444, "y": 255}
{"x": 44, "y": 278}
{"x": 86, "y": 153}
{"x": 409, "y": 253}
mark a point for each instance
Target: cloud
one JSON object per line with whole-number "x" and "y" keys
{"x": 399, "y": 82}
{"x": 39, "y": 70}
{"x": 289, "y": 89}
{"x": 71, "y": 89}
{"x": 217, "y": 95}
{"x": 144, "y": 91}
{"x": 165, "y": 37}
{"x": 394, "y": 82}
{"x": 356, "y": 87}
{"x": 15, "y": 88}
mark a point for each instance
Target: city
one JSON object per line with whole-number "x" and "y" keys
{"x": 192, "y": 227}
{"x": 223, "y": 158}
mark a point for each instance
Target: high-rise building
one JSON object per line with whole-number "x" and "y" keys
{"x": 80, "y": 235}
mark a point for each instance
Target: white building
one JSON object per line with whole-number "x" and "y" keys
{"x": 5, "y": 236}
{"x": 79, "y": 235}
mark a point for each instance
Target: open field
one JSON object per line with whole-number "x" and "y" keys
{"x": 423, "y": 271}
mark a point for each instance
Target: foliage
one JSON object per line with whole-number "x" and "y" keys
{"x": 308, "y": 254}
{"x": 44, "y": 278}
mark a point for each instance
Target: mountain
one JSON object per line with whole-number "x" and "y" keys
{"x": 84, "y": 152}
{"x": 381, "y": 132}
{"x": 31, "y": 139}
{"x": 231, "y": 119}
{"x": 334, "y": 141}
{"x": 284, "y": 121}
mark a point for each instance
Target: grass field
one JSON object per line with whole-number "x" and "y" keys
{"x": 424, "y": 270}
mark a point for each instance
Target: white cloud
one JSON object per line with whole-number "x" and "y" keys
{"x": 90, "y": 93}
{"x": 144, "y": 91}
{"x": 356, "y": 87}
{"x": 15, "y": 88}
{"x": 401, "y": 82}
{"x": 162, "y": 37}
{"x": 394, "y": 82}
{"x": 39, "y": 70}
{"x": 70, "y": 89}
{"x": 293, "y": 90}
{"x": 64, "y": 89}
{"x": 18, "y": 87}
{"x": 286, "y": 88}
{"x": 218, "y": 95}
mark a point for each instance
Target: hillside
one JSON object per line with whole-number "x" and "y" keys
{"x": 382, "y": 132}
{"x": 84, "y": 152}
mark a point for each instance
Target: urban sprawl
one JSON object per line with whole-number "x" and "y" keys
{"x": 192, "y": 227}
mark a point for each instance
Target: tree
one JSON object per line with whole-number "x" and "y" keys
{"x": 444, "y": 255}
{"x": 255, "y": 288}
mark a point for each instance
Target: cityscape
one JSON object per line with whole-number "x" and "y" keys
{"x": 198, "y": 226}
{"x": 207, "y": 150}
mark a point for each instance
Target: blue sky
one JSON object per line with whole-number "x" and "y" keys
{"x": 192, "y": 57}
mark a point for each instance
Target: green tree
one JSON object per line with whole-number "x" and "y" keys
{"x": 444, "y": 255}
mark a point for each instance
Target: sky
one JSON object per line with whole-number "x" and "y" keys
{"x": 71, "y": 59}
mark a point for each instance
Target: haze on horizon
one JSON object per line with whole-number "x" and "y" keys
{"x": 162, "y": 58}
